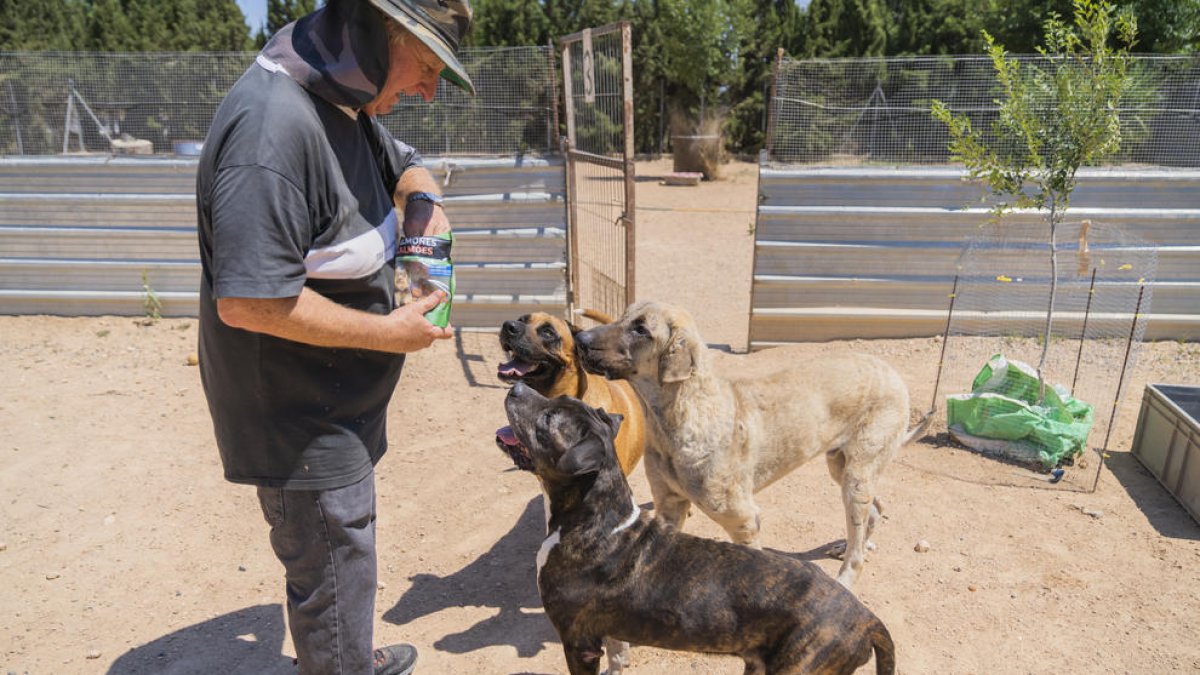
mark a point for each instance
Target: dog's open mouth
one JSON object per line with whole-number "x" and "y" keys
{"x": 514, "y": 370}
{"x": 507, "y": 441}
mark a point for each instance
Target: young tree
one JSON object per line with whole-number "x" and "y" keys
{"x": 1055, "y": 116}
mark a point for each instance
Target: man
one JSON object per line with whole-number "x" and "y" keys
{"x": 300, "y": 347}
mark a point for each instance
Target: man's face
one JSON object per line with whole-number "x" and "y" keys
{"x": 413, "y": 71}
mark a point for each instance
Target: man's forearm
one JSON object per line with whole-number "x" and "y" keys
{"x": 313, "y": 319}
{"x": 419, "y": 217}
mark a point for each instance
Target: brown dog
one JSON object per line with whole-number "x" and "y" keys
{"x": 542, "y": 352}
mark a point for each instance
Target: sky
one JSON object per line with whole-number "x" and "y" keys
{"x": 255, "y": 11}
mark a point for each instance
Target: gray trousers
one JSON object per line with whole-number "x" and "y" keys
{"x": 326, "y": 542}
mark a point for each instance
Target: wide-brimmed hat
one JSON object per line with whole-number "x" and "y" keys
{"x": 440, "y": 25}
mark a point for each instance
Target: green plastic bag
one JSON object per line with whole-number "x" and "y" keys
{"x": 1003, "y": 405}
{"x": 427, "y": 263}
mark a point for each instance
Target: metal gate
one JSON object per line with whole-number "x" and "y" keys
{"x": 598, "y": 94}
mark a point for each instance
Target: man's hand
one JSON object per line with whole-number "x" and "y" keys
{"x": 411, "y": 329}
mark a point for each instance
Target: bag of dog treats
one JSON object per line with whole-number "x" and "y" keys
{"x": 426, "y": 262}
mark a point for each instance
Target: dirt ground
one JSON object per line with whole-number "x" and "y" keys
{"x": 122, "y": 549}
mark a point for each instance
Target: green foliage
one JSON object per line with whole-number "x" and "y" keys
{"x": 509, "y": 23}
{"x": 1055, "y": 115}
{"x": 282, "y": 12}
{"x": 836, "y": 28}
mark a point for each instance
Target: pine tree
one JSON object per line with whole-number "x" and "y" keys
{"x": 108, "y": 29}
{"x": 282, "y": 12}
{"x": 224, "y": 25}
{"x": 838, "y": 28}
{"x": 509, "y": 23}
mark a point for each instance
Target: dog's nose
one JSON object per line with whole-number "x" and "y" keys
{"x": 518, "y": 390}
{"x": 583, "y": 339}
{"x": 511, "y": 327}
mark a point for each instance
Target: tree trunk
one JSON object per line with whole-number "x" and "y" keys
{"x": 1054, "y": 218}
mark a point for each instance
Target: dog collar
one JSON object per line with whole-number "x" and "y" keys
{"x": 630, "y": 520}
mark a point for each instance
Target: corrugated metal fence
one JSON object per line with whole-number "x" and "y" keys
{"x": 91, "y": 235}
{"x": 871, "y": 252}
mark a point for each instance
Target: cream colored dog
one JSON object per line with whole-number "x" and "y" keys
{"x": 716, "y": 441}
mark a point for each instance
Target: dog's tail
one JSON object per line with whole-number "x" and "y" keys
{"x": 595, "y": 315}
{"x": 885, "y": 650}
{"x": 919, "y": 430}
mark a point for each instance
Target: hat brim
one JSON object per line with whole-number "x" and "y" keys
{"x": 454, "y": 73}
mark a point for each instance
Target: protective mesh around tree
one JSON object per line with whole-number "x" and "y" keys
{"x": 1099, "y": 314}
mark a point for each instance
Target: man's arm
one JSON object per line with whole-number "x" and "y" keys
{"x": 313, "y": 319}
{"x": 420, "y": 217}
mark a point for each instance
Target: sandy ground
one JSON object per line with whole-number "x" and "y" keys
{"x": 122, "y": 549}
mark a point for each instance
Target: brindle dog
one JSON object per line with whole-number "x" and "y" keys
{"x": 608, "y": 571}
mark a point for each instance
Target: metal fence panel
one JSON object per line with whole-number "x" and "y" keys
{"x": 81, "y": 252}
{"x": 851, "y": 265}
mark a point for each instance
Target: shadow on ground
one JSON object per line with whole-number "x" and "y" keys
{"x": 504, "y": 578}
{"x": 1161, "y": 510}
{"x": 246, "y": 642}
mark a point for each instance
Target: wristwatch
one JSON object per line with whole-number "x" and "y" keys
{"x": 430, "y": 197}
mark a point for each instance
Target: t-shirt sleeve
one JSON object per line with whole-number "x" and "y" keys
{"x": 261, "y": 231}
{"x": 394, "y": 157}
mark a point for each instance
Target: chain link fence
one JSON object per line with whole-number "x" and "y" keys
{"x": 162, "y": 103}
{"x": 857, "y": 111}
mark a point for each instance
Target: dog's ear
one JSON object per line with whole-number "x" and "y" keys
{"x": 586, "y": 457}
{"x": 676, "y": 362}
{"x": 614, "y": 420}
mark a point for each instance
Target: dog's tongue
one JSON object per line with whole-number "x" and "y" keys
{"x": 515, "y": 368}
{"x": 506, "y": 436}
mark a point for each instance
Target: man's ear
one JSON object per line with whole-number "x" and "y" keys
{"x": 586, "y": 457}
{"x": 675, "y": 365}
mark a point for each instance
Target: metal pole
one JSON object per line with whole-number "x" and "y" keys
{"x": 572, "y": 229}
{"x": 771, "y": 121}
{"x": 630, "y": 197}
{"x": 945, "y": 338}
{"x": 1112, "y": 418}
{"x": 568, "y": 100}
{"x": 1083, "y": 331}
{"x": 554, "y": 130}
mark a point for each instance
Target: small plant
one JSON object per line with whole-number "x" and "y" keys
{"x": 1055, "y": 116}
{"x": 150, "y": 302}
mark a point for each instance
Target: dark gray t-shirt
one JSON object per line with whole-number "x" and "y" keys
{"x": 293, "y": 191}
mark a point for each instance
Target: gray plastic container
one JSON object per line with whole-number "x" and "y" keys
{"x": 1167, "y": 440}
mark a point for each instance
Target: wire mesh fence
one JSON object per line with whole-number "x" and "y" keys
{"x": 855, "y": 111}
{"x": 597, "y": 72}
{"x": 989, "y": 386}
{"x": 163, "y": 103}
{"x": 596, "y": 93}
